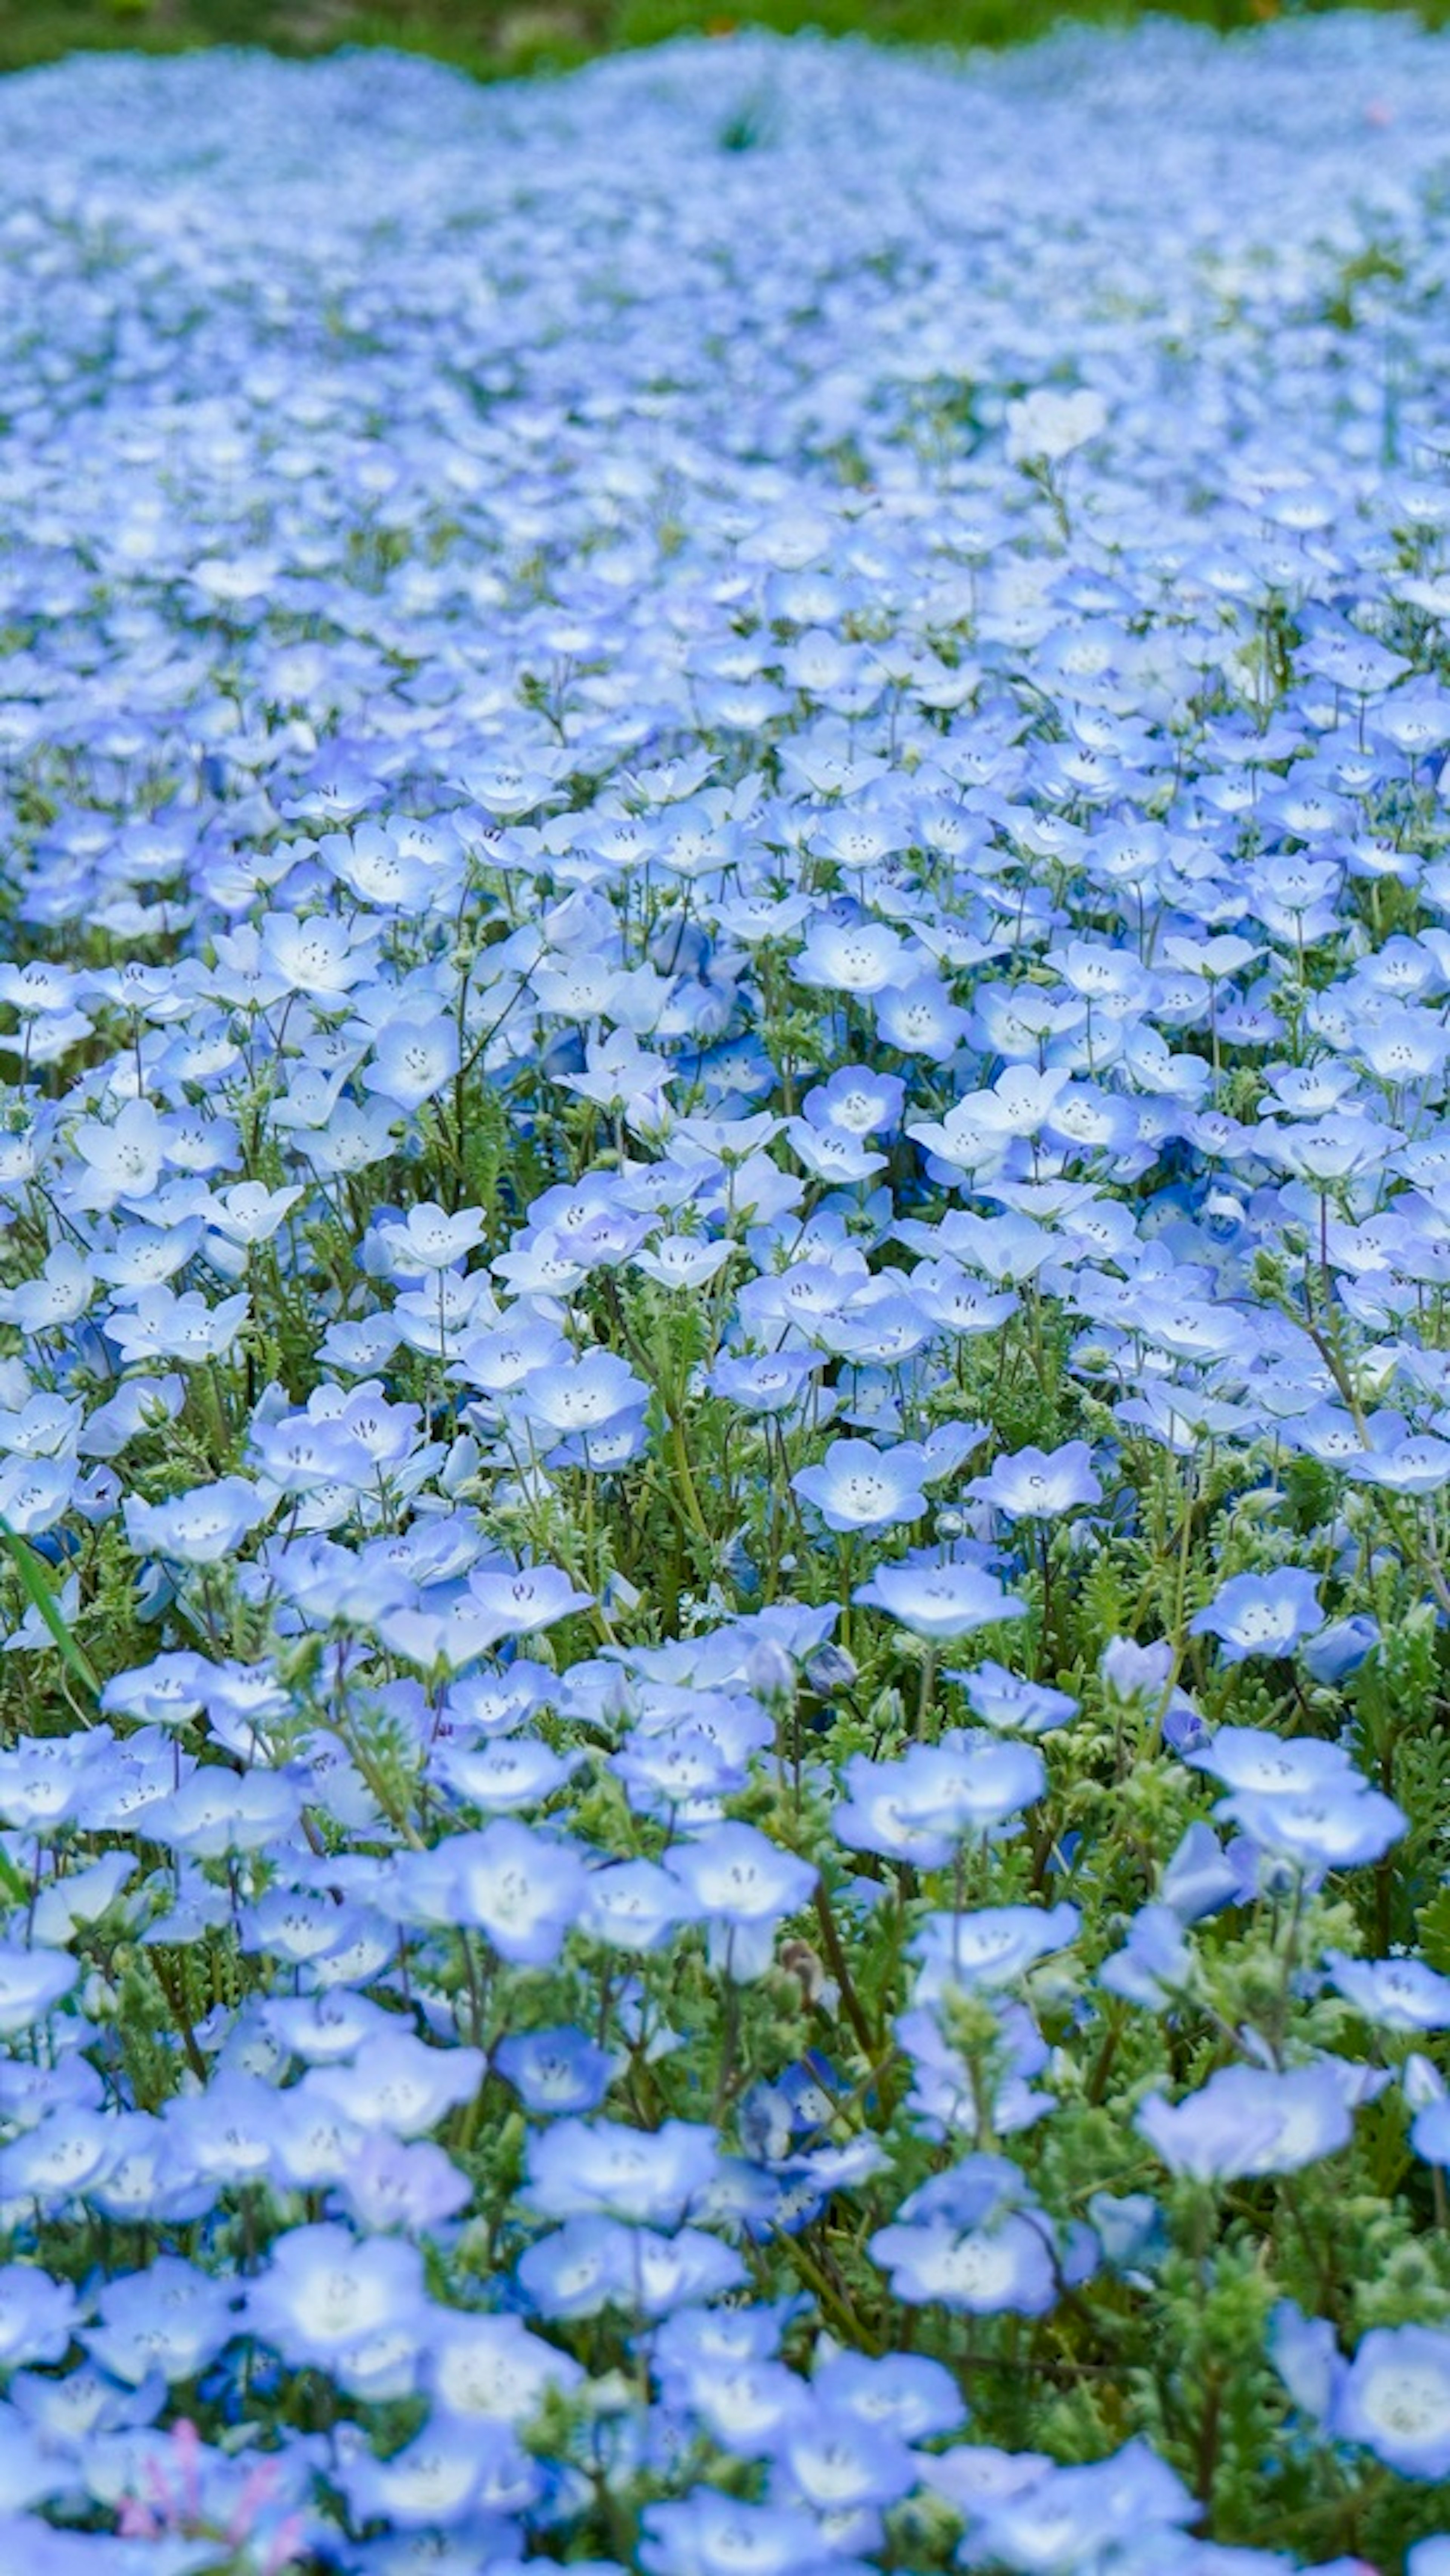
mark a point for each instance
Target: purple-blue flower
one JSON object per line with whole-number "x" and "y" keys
{"x": 1261, "y": 1614}
{"x": 858, "y": 1487}
{"x": 1040, "y": 1485}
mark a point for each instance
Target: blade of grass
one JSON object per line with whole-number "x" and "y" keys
{"x": 31, "y": 1569}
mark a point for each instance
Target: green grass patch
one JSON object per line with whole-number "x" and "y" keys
{"x": 496, "y": 38}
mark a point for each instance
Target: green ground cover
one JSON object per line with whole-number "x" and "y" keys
{"x": 497, "y": 37}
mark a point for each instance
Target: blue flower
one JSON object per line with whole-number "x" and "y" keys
{"x": 331, "y": 2301}
{"x": 708, "y": 2534}
{"x": 1250, "y": 2120}
{"x": 555, "y": 2072}
{"x": 1038, "y": 1484}
{"x": 940, "y": 1600}
{"x": 580, "y": 2169}
{"x": 1340, "y": 1649}
{"x": 520, "y": 1887}
{"x": 918, "y": 1808}
{"x": 963, "y": 2242}
{"x": 1262, "y": 1614}
{"x": 1397, "y": 1994}
{"x": 1010, "y": 1702}
{"x": 989, "y": 1946}
{"x": 1342, "y": 1826}
{"x": 857, "y": 1487}
{"x": 1155, "y": 1966}
{"x": 1394, "y": 2399}
{"x": 742, "y": 1886}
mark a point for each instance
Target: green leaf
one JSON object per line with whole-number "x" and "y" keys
{"x": 31, "y": 1570}
{"x": 1435, "y": 1931}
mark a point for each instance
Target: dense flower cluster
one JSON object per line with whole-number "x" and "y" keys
{"x": 724, "y": 1360}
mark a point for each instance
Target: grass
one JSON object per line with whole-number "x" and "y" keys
{"x": 490, "y": 38}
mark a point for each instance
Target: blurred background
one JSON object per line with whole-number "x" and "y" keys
{"x": 495, "y": 38}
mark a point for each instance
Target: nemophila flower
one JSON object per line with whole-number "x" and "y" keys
{"x": 989, "y": 2095}
{"x": 159, "y": 1325}
{"x": 684, "y": 1774}
{"x": 857, "y": 1487}
{"x": 520, "y": 1600}
{"x": 31, "y": 1982}
{"x": 57, "y": 1296}
{"x": 849, "y": 956}
{"x": 742, "y": 1886}
{"x": 388, "y": 2185}
{"x": 439, "y": 2477}
{"x": 578, "y": 2169}
{"x": 973, "y": 2477}
{"x": 858, "y": 1102}
{"x": 989, "y": 1946}
{"x": 1133, "y": 1673}
{"x": 919, "y": 1017}
{"x": 219, "y": 1810}
{"x": 555, "y": 2072}
{"x": 586, "y": 1398}
{"x": 37, "y": 2315}
{"x": 710, "y": 2534}
{"x": 960, "y": 2243}
{"x": 1396, "y": 1994}
{"x": 503, "y": 1777}
{"x": 1430, "y": 2131}
{"x": 411, "y": 1060}
{"x": 122, "y": 1158}
{"x": 681, "y": 1261}
{"x": 522, "y": 1888}
{"x": 1130, "y": 2229}
{"x": 169, "y": 1690}
{"x": 634, "y": 1905}
{"x": 590, "y": 2264}
{"x": 903, "y": 2393}
{"x": 832, "y": 1154}
{"x": 1198, "y": 1877}
{"x": 744, "y": 2404}
{"x": 81, "y": 1897}
{"x": 200, "y": 1527}
{"x": 1011, "y": 1703}
{"x": 170, "y": 2318}
{"x": 1250, "y": 1758}
{"x": 1250, "y": 2120}
{"x": 492, "y": 2368}
{"x": 940, "y": 1600}
{"x": 431, "y": 1238}
{"x": 919, "y": 1807}
{"x": 1117, "y": 2508}
{"x": 1262, "y": 1614}
{"x": 326, "y": 2297}
{"x": 1155, "y": 1965}
{"x": 1307, "y": 2358}
{"x": 1394, "y": 2400}
{"x": 399, "y": 2084}
{"x": 837, "y": 2465}
{"x": 959, "y": 1304}
{"x": 1047, "y": 425}
{"x": 57, "y": 2159}
{"x": 623, "y": 1077}
{"x": 1342, "y": 1825}
{"x": 1034, "y": 1484}
{"x": 771, "y": 1383}
{"x": 1340, "y": 1649}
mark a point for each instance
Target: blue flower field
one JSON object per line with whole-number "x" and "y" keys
{"x": 724, "y": 1340}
